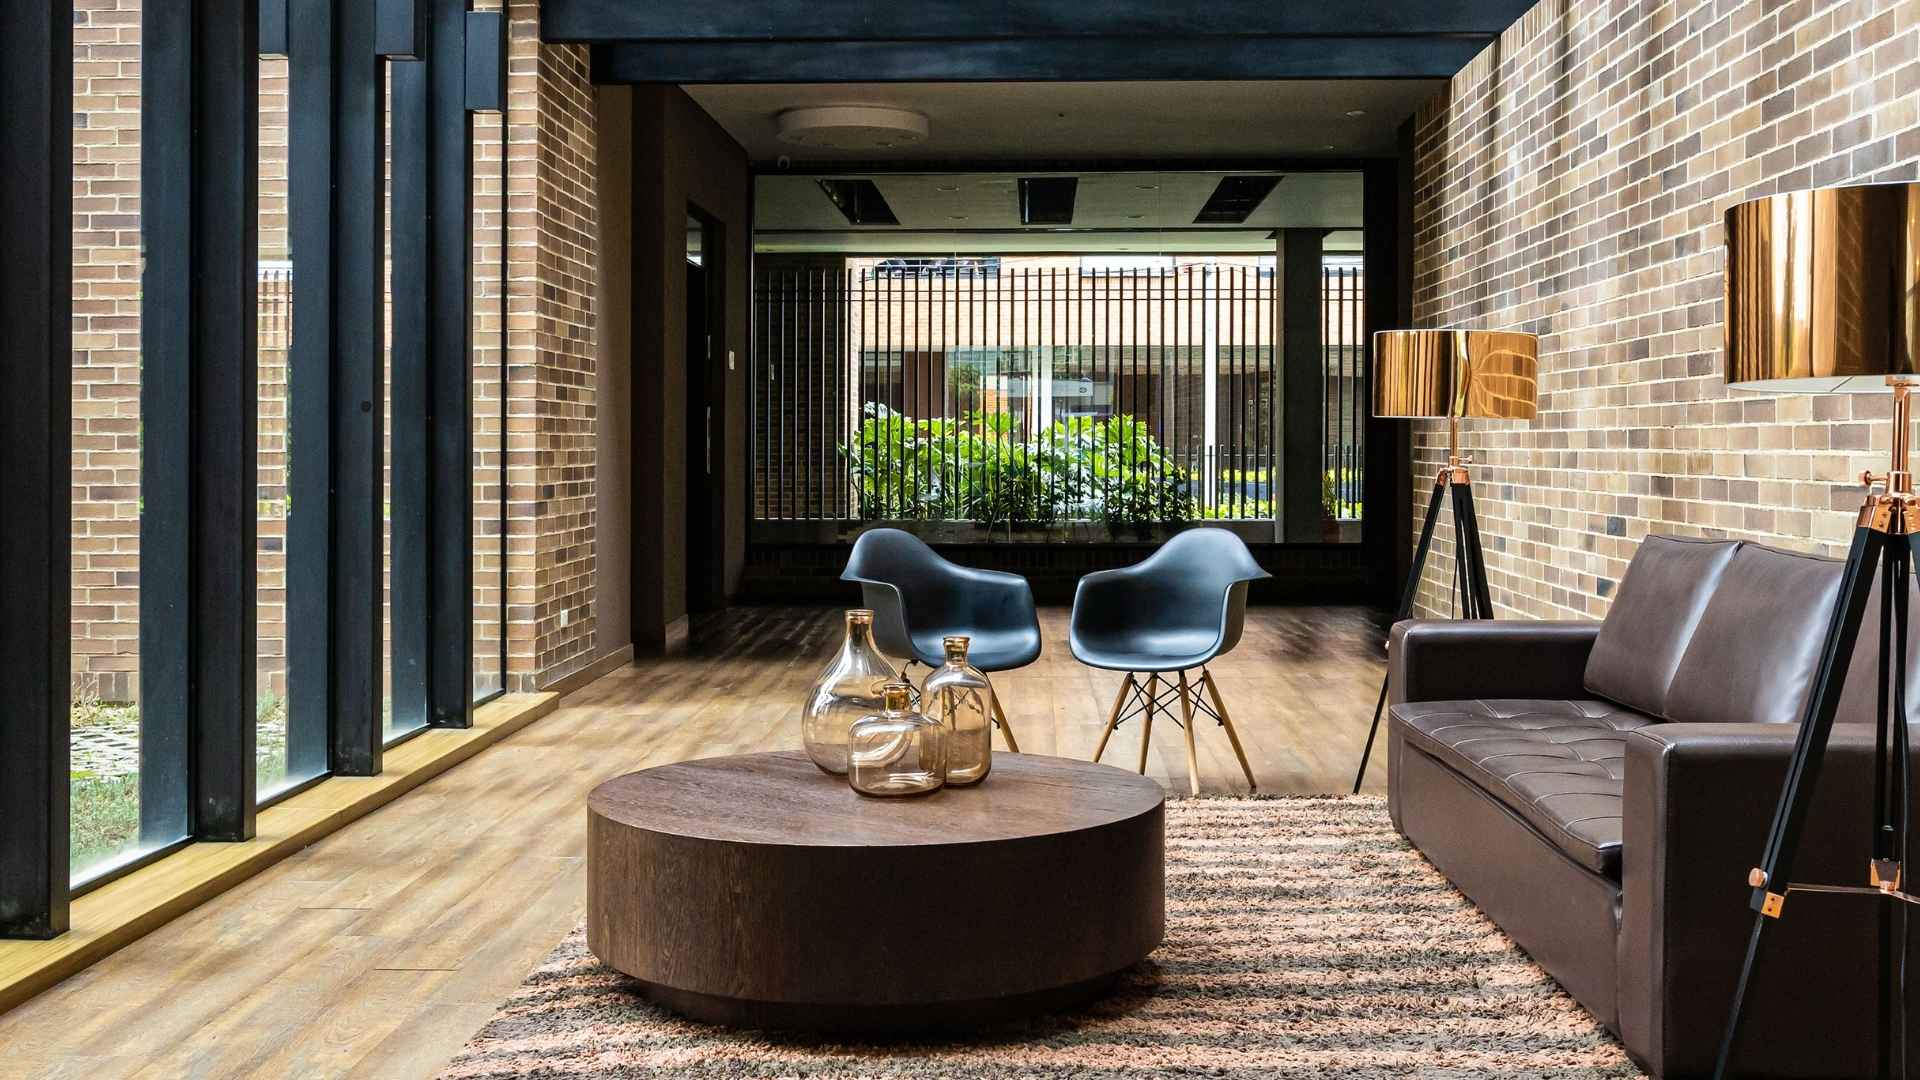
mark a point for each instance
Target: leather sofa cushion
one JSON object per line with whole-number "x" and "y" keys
{"x": 1660, "y": 600}
{"x": 1755, "y": 650}
{"x": 1561, "y": 765}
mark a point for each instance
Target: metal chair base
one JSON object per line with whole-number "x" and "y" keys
{"x": 1144, "y": 699}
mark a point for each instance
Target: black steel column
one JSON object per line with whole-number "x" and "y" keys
{"x": 198, "y": 387}
{"x": 1303, "y": 397}
{"x": 310, "y": 230}
{"x": 36, "y": 234}
{"x": 432, "y": 586}
{"x": 337, "y": 158}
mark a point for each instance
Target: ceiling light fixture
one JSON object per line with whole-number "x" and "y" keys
{"x": 1356, "y": 112}
{"x": 852, "y": 127}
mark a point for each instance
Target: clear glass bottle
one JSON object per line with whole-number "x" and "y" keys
{"x": 958, "y": 695}
{"x": 848, "y": 690}
{"x": 897, "y": 751}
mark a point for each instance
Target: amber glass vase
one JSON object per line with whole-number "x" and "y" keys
{"x": 896, "y": 751}
{"x": 848, "y": 690}
{"x": 958, "y": 695}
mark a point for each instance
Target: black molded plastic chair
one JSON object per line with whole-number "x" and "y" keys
{"x": 919, "y": 598}
{"x": 1175, "y": 611}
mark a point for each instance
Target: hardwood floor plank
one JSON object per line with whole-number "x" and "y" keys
{"x": 377, "y": 950}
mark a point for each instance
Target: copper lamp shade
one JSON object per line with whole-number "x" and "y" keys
{"x": 1822, "y": 295}
{"x": 1455, "y": 374}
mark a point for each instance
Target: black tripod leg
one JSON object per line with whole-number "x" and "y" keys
{"x": 1466, "y": 525}
{"x": 1902, "y": 798}
{"x": 1406, "y": 608}
{"x": 1803, "y": 771}
{"x": 1883, "y": 851}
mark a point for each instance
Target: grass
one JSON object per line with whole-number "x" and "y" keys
{"x": 106, "y": 809}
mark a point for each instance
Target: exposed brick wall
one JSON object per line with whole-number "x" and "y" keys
{"x": 1572, "y": 182}
{"x": 552, "y": 265}
{"x": 106, "y": 346}
{"x": 544, "y": 205}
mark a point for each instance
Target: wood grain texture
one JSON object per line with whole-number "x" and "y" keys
{"x": 482, "y": 871}
{"x": 123, "y": 910}
{"x": 757, "y": 890}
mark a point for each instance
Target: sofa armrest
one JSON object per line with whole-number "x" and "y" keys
{"x": 1453, "y": 660}
{"x": 1699, "y": 799}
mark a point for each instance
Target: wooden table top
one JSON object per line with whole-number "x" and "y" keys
{"x": 784, "y": 799}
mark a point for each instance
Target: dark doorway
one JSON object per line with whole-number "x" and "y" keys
{"x": 706, "y": 286}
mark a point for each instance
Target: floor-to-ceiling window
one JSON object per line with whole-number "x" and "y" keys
{"x": 489, "y": 416}
{"x": 116, "y": 752}
{"x": 947, "y": 347}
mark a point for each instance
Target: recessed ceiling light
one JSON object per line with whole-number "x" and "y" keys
{"x": 956, "y": 217}
{"x": 1135, "y": 217}
{"x": 948, "y": 187}
{"x": 1329, "y": 146}
{"x": 1146, "y": 187}
{"x": 1356, "y": 112}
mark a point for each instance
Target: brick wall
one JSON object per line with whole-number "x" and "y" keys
{"x": 552, "y": 233}
{"x": 538, "y": 216}
{"x": 1572, "y": 182}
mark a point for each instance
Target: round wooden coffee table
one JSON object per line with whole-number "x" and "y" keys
{"x": 757, "y": 891}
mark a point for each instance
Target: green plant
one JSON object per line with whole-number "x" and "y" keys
{"x": 1336, "y": 483}
{"x": 979, "y": 468}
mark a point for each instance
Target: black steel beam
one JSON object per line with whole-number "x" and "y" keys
{"x": 400, "y": 31}
{"x": 310, "y": 541}
{"x": 1303, "y": 395}
{"x": 199, "y": 380}
{"x": 486, "y": 61}
{"x": 600, "y": 21}
{"x": 36, "y": 233}
{"x": 1036, "y": 60}
{"x": 336, "y": 196}
{"x": 432, "y": 445}
{"x": 273, "y": 27}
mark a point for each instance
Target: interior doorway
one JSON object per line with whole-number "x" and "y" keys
{"x": 705, "y": 421}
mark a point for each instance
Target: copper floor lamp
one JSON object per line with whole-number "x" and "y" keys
{"x": 1451, "y": 375}
{"x": 1823, "y": 296}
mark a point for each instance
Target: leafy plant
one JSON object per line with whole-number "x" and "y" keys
{"x": 978, "y": 468}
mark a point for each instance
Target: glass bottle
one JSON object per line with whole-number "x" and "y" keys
{"x": 848, "y": 690}
{"x": 960, "y": 697}
{"x": 897, "y": 751}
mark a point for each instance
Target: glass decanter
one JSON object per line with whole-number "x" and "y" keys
{"x": 848, "y": 690}
{"x": 958, "y": 695}
{"x": 896, "y": 751}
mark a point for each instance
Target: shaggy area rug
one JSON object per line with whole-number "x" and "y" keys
{"x": 1304, "y": 939}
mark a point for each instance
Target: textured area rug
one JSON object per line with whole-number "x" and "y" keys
{"x": 1305, "y": 938}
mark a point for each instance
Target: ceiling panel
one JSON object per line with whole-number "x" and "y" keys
{"x": 1094, "y": 120}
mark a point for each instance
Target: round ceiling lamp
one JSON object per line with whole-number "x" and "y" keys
{"x": 852, "y": 127}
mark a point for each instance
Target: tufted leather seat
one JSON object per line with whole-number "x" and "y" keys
{"x": 1559, "y": 764}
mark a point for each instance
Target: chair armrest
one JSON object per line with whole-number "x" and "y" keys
{"x": 1453, "y": 660}
{"x": 1698, "y": 801}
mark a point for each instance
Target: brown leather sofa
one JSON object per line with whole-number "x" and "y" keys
{"x": 1600, "y": 791}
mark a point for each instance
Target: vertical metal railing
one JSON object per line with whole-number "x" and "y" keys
{"x": 1049, "y": 390}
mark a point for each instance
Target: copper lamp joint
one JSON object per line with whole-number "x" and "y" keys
{"x": 1893, "y": 509}
{"x": 1456, "y": 469}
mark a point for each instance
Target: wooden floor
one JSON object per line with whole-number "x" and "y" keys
{"x": 379, "y": 950}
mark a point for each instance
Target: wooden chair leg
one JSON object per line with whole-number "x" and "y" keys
{"x": 1006, "y": 729}
{"x": 1113, "y": 718}
{"x": 1186, "y": 712}
{"x": 1146, "y": 727}
{"x": 1226, "y": 721}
